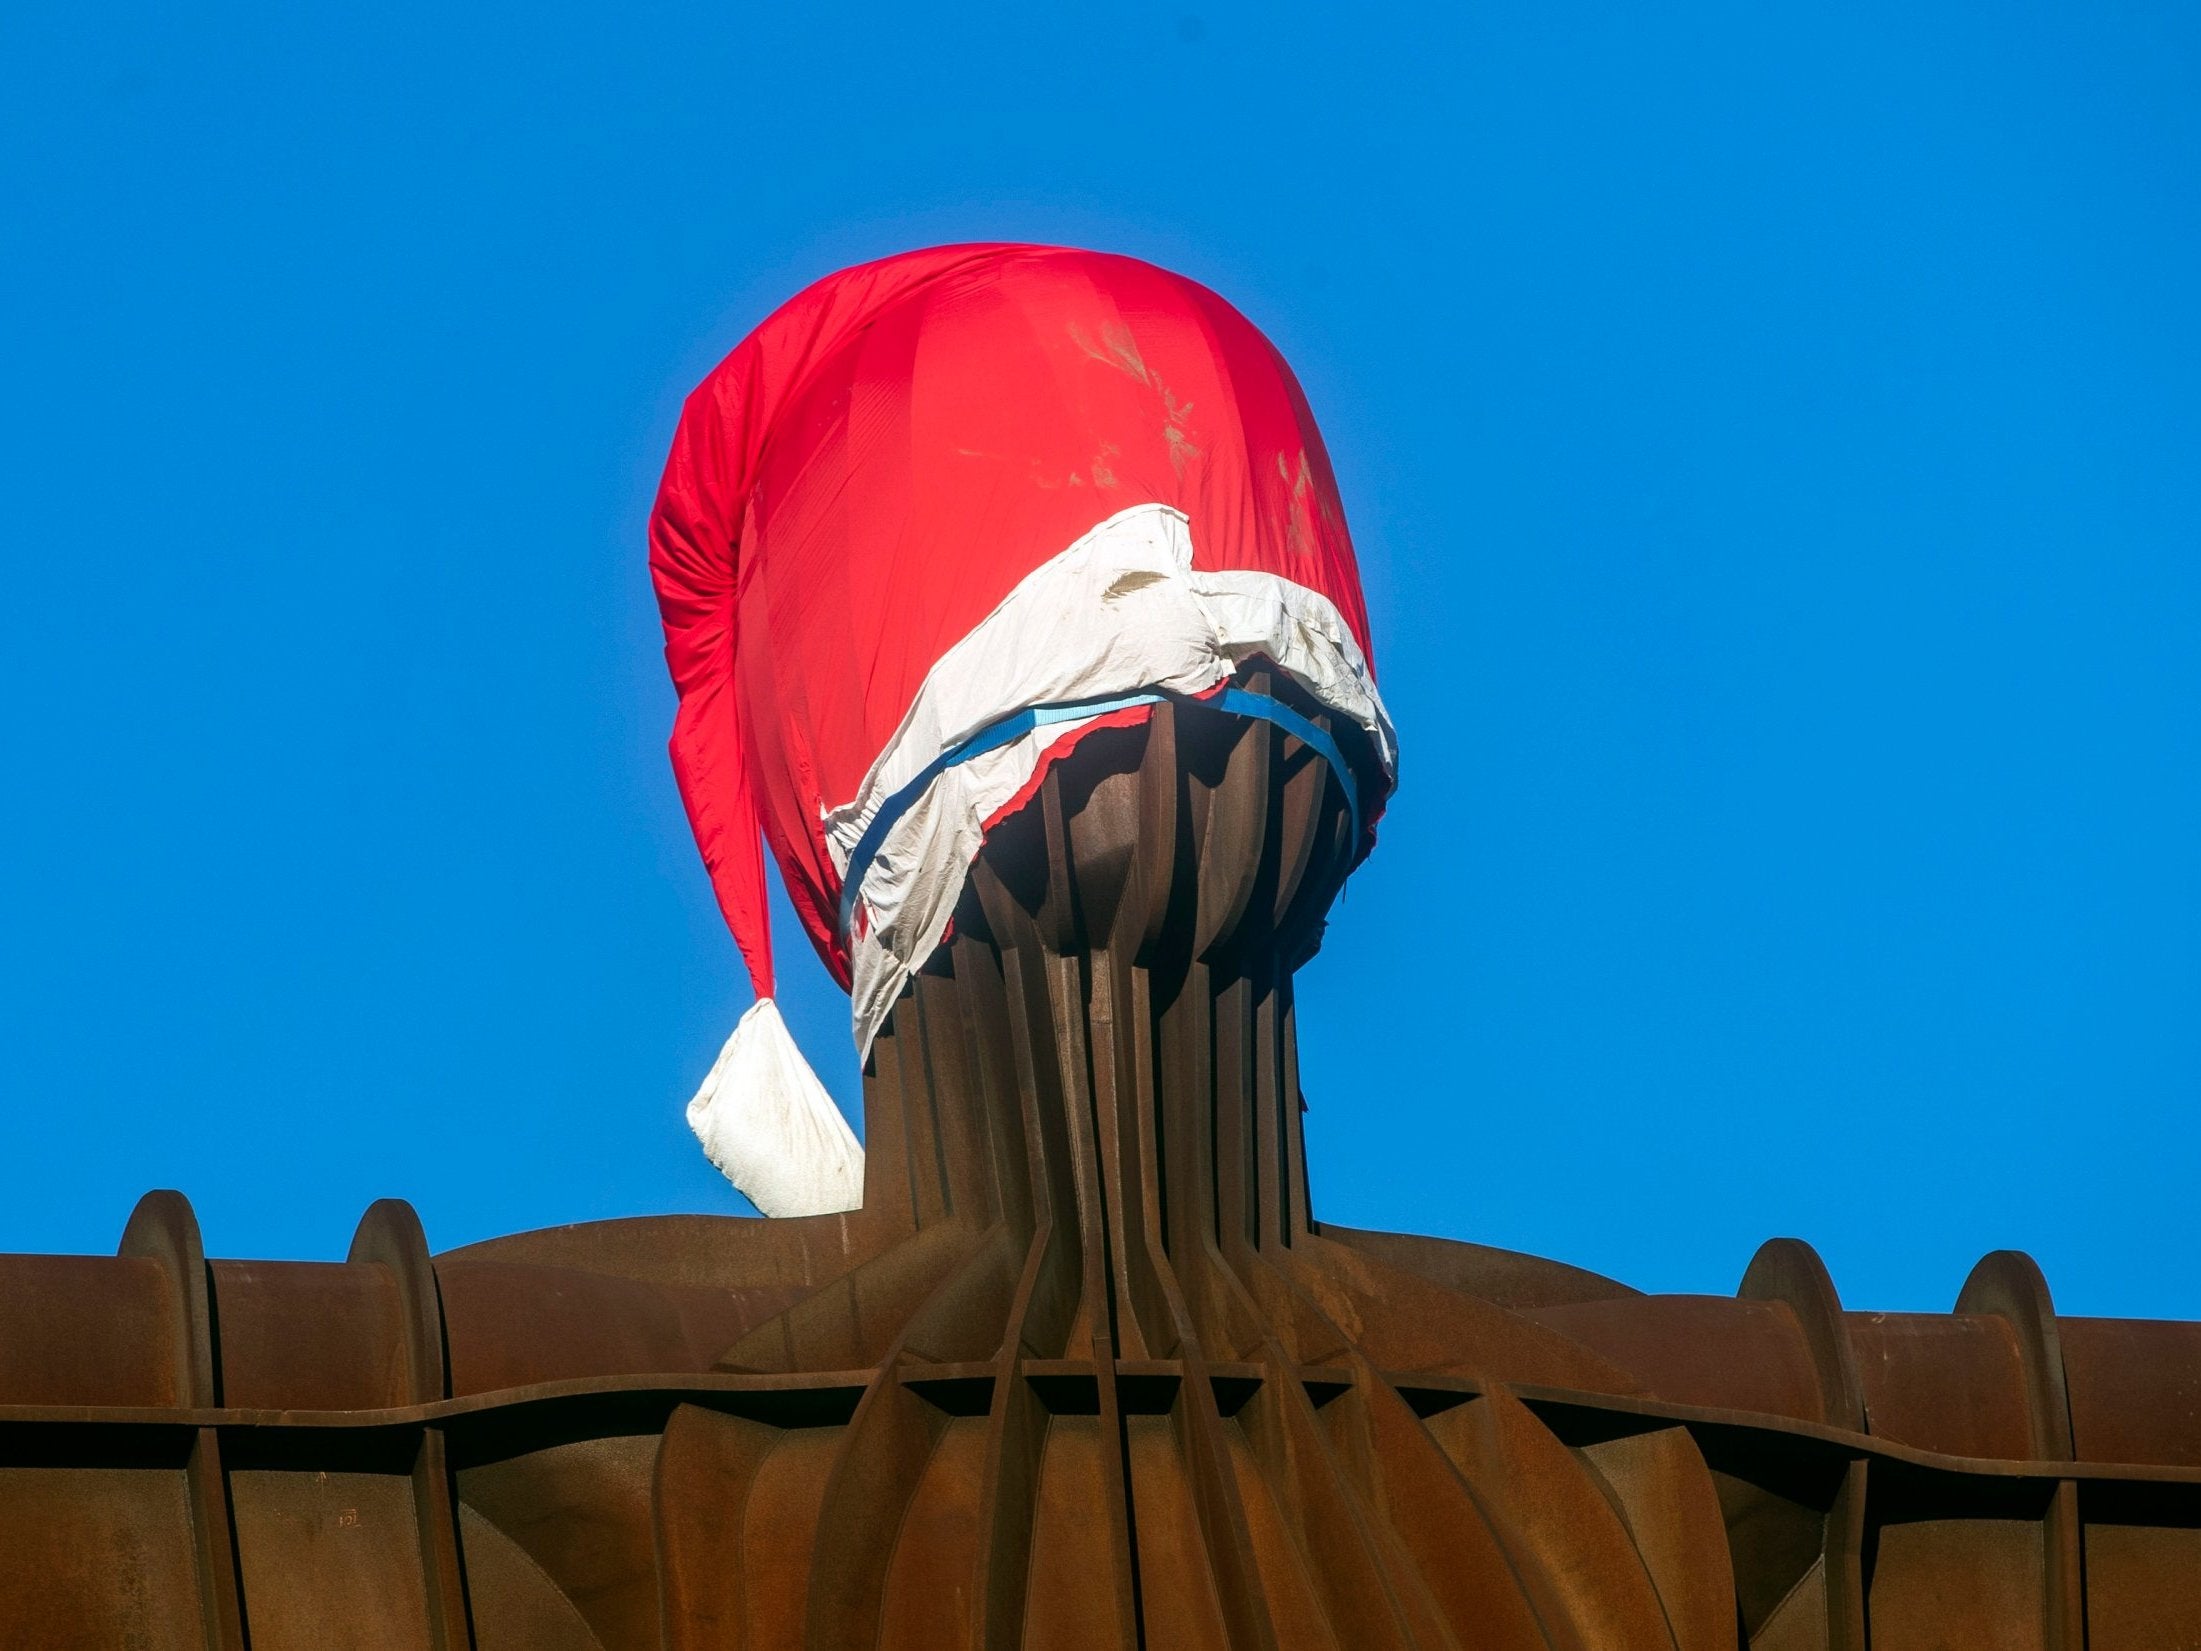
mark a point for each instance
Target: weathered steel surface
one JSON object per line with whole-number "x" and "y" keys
{"x": 1083, "y": 1371}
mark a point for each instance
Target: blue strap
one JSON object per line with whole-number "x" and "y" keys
{"x": 1311, "y": 734}
{"x": 1237, "y": 701}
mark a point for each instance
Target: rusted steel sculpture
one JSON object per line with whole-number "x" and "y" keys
{"x": 1083, "y": 1370}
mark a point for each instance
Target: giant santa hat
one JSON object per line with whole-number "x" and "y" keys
{"x": 932, "y": 522}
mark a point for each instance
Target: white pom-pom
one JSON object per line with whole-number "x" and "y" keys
{"x": 770, "y": 1127}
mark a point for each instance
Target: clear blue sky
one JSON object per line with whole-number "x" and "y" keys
{"x": 1772, "y": 436}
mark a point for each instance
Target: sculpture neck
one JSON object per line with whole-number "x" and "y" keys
{"x": 1103, "y": 1061}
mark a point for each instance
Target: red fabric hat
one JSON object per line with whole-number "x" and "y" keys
{"x": 939, "y": 516}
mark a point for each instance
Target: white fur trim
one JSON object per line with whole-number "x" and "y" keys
{"x": 1122, "y": 609}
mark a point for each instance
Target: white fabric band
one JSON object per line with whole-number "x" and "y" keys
{"x": 1121, "y": 609}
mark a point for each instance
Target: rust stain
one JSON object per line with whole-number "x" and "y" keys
{"x": 1299, "y": 485}
{"x": 1117, "y": 349}
{"x": 1126, "y": 584}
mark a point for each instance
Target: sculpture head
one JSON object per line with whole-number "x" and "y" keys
{"x": 944, "y": 518}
